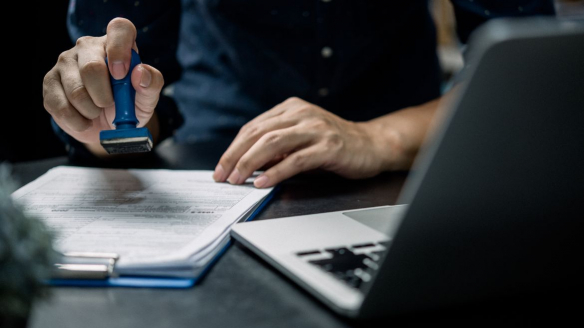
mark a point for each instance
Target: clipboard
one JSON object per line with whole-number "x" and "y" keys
{"x": 97, "y": 269}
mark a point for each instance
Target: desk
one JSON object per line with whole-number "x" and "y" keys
{"x": 243, "y": 291}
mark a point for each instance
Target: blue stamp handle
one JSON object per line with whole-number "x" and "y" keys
{"x": 124, "y": 97}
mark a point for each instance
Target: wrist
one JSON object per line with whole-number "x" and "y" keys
{"x": 399, "y": 136}
{"x": 387, "y": 145}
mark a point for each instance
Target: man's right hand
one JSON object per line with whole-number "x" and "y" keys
{"x": 77, "y": 90}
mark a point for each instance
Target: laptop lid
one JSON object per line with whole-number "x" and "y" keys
{"x": 497, "y": 194}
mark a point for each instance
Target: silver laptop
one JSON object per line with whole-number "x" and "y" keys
{"x": 494, "y": 205}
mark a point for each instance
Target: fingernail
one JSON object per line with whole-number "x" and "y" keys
{"x": 118, "y": 70}
{"x": 261, "y": 181}
{"x": 219, "y": 174}
{"x": 146, "y": 77}
{"x": 234, "y": 177}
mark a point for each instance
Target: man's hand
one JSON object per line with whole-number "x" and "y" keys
{"x": 77, "y": 90}
{"x": 299, "y": 136}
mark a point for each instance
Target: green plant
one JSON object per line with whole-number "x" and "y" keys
{"x": 26, "y": 255}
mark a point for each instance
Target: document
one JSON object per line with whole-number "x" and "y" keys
{"x": 158, "y": 221}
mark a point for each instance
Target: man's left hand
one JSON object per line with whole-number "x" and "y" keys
{"x": 297, "y": 136}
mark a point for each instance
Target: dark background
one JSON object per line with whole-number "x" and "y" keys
{"x": 26, "y": 129}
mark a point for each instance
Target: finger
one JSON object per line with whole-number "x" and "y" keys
{"x": 271, "y": 145}
{"x": 93, "y": 70}
{"x": 273, "y": 162}
{"x": 75, "y": 90}
{"x": 56, "y": 103}
{"x": 121, "y": 37}
{"x": 247, "y": 137}
{"x": 148, "y": 82}
{"x": 279, "y": 109}
{"x": 300, "y": 161}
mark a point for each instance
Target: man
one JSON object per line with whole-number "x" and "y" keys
{"x": 352, "y": 85}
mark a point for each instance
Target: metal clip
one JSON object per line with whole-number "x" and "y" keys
{"x": 85, "y": 265}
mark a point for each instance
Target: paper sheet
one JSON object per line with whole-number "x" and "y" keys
{"x": 151, "y": 218}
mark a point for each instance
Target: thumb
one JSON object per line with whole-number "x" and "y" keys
{"x": 121, "y": 37}
{"x": 148, "y": 83}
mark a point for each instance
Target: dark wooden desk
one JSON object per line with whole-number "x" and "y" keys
{"x": 243, "y": 291}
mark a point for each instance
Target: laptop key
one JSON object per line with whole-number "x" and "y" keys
{"x": 363, "y": 245}
{"x": 308, "y": 253}
{"x": 352, "y": 279}
{"x": 347, "y": 266}
{"x": 339, "y": 251}
{"x": 376, "y": 255}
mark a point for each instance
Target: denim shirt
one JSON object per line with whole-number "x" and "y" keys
{"x": 231, "y": 60}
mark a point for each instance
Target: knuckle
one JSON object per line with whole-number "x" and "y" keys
{"x": 79, "y": 93}
{"x": 60, "y": 110}
{"x": 54, "y": 106}
{"x": 93, "y": 67}
{"x": 227, "y": 160}
{"x": 244, "y": 165}
{"x": 49, "y": 80}
{"x": 64, "y": 57}
{"x": 299, "y": 160}
{"x": 248, "y": 129}
{"x": 292, "y": 100}
{"x": 48, "y": 106}
{"x": 272, "y": 139}
{"x": 63, "y": 111}
{"x": 253, "y": 130}
{"x": 82, "y": 40}
{"x": 304, "y": 109}
{"x": 320, "y": 124}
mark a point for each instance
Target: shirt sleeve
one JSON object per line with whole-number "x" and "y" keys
{"x": 472, "y": 13}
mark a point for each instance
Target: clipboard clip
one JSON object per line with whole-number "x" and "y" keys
{"x": 85, "y": 265}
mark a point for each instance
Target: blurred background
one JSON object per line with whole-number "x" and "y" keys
{"x": 35, "y": 139}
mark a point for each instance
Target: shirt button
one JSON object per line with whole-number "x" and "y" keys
{"x": 326, "y": 52}
{"x": 323, "y": 92}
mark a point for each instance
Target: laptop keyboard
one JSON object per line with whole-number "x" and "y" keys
{"x": 354, "y": 265}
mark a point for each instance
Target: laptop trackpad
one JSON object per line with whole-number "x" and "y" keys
{"x": 385, "y": 220}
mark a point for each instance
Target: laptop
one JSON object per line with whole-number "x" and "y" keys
{"x": 493, "y": 205}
